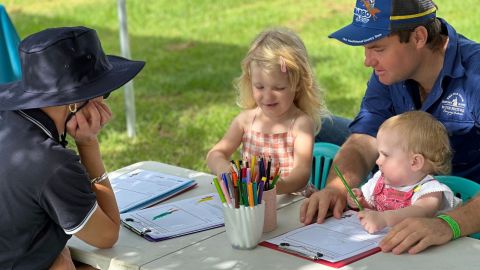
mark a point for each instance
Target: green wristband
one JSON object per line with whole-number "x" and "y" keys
{"x": 453, "y": 225}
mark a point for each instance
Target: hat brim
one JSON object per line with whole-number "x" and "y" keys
{"x": 355, "y": 35}
{"x": 15, "y": 96}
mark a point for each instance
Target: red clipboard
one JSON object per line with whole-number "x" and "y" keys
{"x": 324, "y": 262}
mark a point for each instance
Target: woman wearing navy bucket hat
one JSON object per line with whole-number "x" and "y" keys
{"x": 47, "y": 191}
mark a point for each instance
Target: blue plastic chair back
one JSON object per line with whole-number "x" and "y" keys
{"x": 462, "y": 188}
{"x": 323, "y": 154}
{"x": 10, "y": 69}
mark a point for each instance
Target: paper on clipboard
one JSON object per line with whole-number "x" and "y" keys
{"x": 335, "y": 239}
{"x": 175, "y": 219}
{"x": 142, "y": 188}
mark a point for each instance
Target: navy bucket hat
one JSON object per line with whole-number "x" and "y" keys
{"x": 63, "y": 66}
{"x": 376, "y": 19}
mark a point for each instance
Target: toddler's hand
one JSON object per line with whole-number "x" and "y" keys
{"x": 358, "y": 193}
{"x": 372, "y": 221}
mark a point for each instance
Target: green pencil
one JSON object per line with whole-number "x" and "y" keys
{"x": 275, "y": 179}
{"x": 219, "y": 190}
{"x": 337, "y": 171}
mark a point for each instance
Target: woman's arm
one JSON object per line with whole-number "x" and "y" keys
{"x": 102, "y": 229}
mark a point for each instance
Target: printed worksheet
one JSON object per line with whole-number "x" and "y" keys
{"x": 177, "y": 218}
{"x": 142, "y": 188}
{"x": 335, "y": 239}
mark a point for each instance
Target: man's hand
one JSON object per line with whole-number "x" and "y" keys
{"x": 358, "y": 193}
{"x": 416, "y": 234}
{"x": 319, "y": 203}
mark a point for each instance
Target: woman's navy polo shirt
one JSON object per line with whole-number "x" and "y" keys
{"x": 45, "y": 192}
{"x": 454, "y": 101}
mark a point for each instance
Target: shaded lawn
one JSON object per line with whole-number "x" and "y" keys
{"x": 184, "y": 96}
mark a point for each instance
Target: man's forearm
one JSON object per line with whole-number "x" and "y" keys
{"x": 355, "y": 160}
{"x": 467, "y": 216}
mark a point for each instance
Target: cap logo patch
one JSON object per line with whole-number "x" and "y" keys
{"x": 364, "y": 15}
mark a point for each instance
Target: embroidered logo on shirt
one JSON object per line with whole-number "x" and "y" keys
{"x": 454, "y": 104}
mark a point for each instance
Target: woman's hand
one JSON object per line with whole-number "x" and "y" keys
{"x": 63, "y": 261}
{"x": 85, "y": 125}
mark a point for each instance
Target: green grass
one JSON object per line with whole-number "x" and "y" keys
{"x": 184, "y": 96}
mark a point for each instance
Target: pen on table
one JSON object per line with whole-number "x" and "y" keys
{"x": 164, "y": 213}
{"x": 350, "y": 192}
{"x": 310, "y": 255}
{"x": 205, "y": 199}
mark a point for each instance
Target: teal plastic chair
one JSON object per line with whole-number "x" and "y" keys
{"x": 462, "y": 188}
{"x": 323, "y": 154}
{"x": 10, "y": 69}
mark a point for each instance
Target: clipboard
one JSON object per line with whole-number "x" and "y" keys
{"x": 338, "y": 264}
{"x": 336, "y": 242}
{"x": 170, "y": 220}
{"x": 143, "y": 188}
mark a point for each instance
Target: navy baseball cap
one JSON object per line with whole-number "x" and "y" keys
{"x": 376, "y": 19}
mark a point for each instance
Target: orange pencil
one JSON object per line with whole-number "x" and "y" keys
{"x": 250, "y": 194}
{"x": 277, "y": 168}
{"x": 234, "y": 177}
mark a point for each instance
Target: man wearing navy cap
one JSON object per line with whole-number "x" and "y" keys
{"x": 419, "y": 62}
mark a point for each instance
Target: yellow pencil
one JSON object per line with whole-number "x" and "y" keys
{"x": 252, "y": 168}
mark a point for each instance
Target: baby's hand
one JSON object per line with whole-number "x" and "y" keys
{"x": 358, "y": 193}
{"x": 372, "y": 221}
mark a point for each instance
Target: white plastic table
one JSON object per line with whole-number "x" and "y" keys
{"x": 132, "y": 251}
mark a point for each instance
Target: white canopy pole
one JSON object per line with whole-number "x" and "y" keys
{"x": 125, "y": 47}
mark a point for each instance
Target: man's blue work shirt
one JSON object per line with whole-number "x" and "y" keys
{"x": 454, "y": 101}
